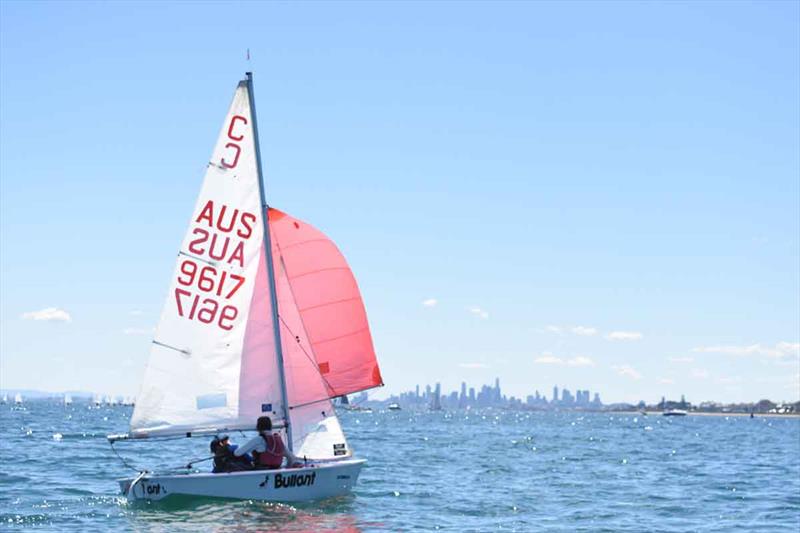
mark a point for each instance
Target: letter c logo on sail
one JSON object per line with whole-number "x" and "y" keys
{"x": 233, "y": 145}
{"x": 232, "y": 124}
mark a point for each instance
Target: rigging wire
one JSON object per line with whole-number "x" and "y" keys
{"x": 302, "y": 322}
{"x": 123, "y": 459}
{"x": 311, "y": 359}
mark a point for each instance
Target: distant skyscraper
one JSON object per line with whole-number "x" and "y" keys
{"x": 555, "y": 394}
{"x": 436, "y": 404}
{"x": 566, "y": 397}
{"x": 417, "y": 393}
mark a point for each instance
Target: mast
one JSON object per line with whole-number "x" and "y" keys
{"x": 273, "y": 293}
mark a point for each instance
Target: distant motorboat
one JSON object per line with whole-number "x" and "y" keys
{"x": 675, "y": 412}
{"x": 394, "y": 407}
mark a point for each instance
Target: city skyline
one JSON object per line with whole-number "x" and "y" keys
{"x": 492, "y": 396}
{"x": 433, "y": 398}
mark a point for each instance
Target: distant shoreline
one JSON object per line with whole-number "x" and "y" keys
{"x": 707, "y": 413}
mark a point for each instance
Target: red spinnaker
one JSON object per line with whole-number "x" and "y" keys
{"x": 333, "y": 322}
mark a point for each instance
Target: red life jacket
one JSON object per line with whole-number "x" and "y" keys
{"x": 273, "y": 457}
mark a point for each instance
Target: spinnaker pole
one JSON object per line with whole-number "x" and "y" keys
{"x": 273, "y": 294}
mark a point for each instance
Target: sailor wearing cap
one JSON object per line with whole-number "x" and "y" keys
{"x": 224, "y": 458}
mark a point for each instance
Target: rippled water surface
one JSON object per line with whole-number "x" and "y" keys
{"x": 460, "y": 471}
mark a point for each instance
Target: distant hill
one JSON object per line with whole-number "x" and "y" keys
{"x": 31, "y": 394}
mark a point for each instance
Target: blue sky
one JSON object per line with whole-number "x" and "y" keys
{"x": 590, "y": 195}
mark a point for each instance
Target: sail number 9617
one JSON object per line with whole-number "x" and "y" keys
{"x": 192, "y": 306}
{"x": 209, "y": 280}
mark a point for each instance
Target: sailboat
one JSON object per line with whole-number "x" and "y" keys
{"x": 67, "y": 399}
{"x": 263, "y": 318}
{"x": 18, "y": 399}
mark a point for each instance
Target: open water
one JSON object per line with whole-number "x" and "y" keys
{"x": 450, "y": 471}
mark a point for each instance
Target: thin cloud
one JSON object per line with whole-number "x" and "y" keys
{"x": 430, "y": 302}
{"x": 138, "y": 331}
{"x": 549, "y": 359}
{"x": 666, "y": 381}
{"x": 627, "y": 371}
{"x": 680, "y": 360}
{"x": 473, "y": 365}
{"x": 699, "y": 373}
{"x": 49, "y": 314}
{"x": 780, "y": 350}
{"x": 584, "y": 331}
{"x": 137, "y": 312}
{"x": 624, "y": 336}
{"x": 477, "y": 311}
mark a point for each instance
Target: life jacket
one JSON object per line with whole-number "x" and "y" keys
{"x": 273, "y": 457}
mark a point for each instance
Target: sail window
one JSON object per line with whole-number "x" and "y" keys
{"x": 209, "y": 401}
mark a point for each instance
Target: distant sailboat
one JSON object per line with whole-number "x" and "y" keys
{"x": 67, "y": 399}
{"x": 18, "y": 399}
{"x": 263, "y": 317}
{"x": 5, "y": 399}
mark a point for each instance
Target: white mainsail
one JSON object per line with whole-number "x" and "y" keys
{"x": 212, "y": 363}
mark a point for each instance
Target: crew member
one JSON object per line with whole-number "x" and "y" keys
{"x": 225, "y": 459}
{"x": 267, "y": 447}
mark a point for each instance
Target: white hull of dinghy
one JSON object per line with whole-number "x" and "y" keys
{"x": 324, "y": 480}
